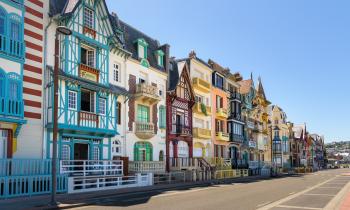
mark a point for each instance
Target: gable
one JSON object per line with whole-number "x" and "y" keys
{"x": 184, "y": 86}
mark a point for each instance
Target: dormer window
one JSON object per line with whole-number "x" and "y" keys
{"x": 142, "y": 48}
{"x": 89, "y": 17}
{"x": 160, "y": 57}
{"x": 219, "y": 82}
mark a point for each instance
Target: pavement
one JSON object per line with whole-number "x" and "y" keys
{"x": 328, "y": 189}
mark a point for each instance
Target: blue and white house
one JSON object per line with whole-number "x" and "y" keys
{"x": 88, "y": 107}
{"x": 12, "y": 50}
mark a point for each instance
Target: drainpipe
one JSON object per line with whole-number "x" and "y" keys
{"x": 44, "y": 88}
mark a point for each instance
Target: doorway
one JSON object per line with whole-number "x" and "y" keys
{"x": 3, "y": 144}
{"x": 81, "y": 151}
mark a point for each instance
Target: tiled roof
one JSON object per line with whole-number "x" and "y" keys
{"x": 173, "y": 76}
{"x": 218, "y": 68}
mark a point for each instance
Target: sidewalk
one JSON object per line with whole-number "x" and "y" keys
{"x": 82, "y": 199}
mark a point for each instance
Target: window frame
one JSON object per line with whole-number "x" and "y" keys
{"x": 70, "y": 100}
{"x": 104, "y": 106}
{"x": 116, "y": 72}
{"x": 143, "y": 113}
{"x": 89, "y": 21}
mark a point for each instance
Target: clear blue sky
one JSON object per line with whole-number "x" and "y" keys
{"x": 300, "y": 48}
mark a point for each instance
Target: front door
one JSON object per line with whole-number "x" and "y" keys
{"x": 3, "y": 144}
{"x": 81, "y": 151}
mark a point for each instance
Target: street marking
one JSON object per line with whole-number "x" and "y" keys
{"x": 263, "y": 204}
{"x": 319, "y": 194}
{"x": 298, "y": 207}
{"x": 291, "y": 193}
{"x": 331, "y": 187}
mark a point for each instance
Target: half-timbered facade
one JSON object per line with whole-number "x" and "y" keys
{"x": 180, "y": 99}
{"x": 87, "y": 101}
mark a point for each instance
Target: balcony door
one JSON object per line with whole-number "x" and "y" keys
{"x": 87, "y": 101}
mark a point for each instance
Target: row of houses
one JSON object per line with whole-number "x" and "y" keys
{"x": 122, "y": 96}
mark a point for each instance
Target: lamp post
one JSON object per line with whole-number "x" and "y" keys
{"x": 64, "y": 31}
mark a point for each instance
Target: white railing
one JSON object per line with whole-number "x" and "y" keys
{"x": 183, "y": 163}
{"x": 89, "y": 184}
{"x": 253, "y": 164}
{"x": 147, "y": 166}
{"x": 91, "y": 167}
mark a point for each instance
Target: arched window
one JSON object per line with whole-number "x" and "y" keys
{"x": 15, "y": 27}
{"x": 14, "y": 86}
{"x": 143, "y": 151}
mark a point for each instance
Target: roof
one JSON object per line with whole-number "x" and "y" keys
{"x": 173, "y": 76}
{"x": 245, "y": 86}
{"x": 218, "y": 68}
{"x": 260, "y": 89}
{"x": 299, "y": 131}
{"x": 131, "y": 35}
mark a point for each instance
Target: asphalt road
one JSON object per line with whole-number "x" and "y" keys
{"x": 312, "y": 191}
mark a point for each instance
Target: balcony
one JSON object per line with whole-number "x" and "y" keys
{"x": 235, "y": 96}
{"x": 200, "y": 108}
{"x": 252, "y": 144}
{"x": 221, "y": 113}
{"x": 147, "y": 93}
{"x": 221, "y": 136}
{"x": 201, "y": 85}
{"x": 181, "y": 130}
{"x": 147, "y": 166}
{"x": 144, "y": 130}
{"x": 236, "y": 116}
{"x": 201, "y": 133}
{"x": 11, "y": 47}
{"x": 11, "y": 108}
{"x": 89, "y": 73}
{"x": 236, "y": 138}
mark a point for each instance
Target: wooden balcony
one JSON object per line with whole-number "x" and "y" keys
{"x": 201, "y": 133}
{"x": 144, "y": 130}
{"x": 87, "y": 30}
{"x": 88, "y": 119}
{"x": 200, "y": 108}
{"x": 147, "y": 93}
{"x": 147, "y": 166}
{"x": 181, "y": 130}
{"x": 222, "y": 136}
{"x": 221, "y": 113}
{"x": 201, "y": 85}
{"x": 89, "y": 73}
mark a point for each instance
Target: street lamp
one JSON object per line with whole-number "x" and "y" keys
{"x": 64, "y": 31}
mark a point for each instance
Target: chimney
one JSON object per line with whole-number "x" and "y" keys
{"x": 166, "y": 49}
{"x": 114, "y": 14}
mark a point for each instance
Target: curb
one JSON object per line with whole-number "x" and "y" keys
{"x": 337, "y": 201}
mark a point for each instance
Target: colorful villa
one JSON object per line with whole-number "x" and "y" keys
{"x": 127, "y": 110}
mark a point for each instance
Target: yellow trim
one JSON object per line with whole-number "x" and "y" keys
{"x": 201, "y": 84}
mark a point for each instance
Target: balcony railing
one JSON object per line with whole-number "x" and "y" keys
{"x": 201, "y": 85}
{"x": 236, "y": 116}
{"x": 89, "y": 73}
{"x": 144, "y": 130}
{"x": 253, "y": 164}
{"x": 221, "y": 113}
{"x": 147, "y": 93}
{"x": 252, "y": 144}
{"x": 202, "y": 133}
{"x": 88, "y": 119}
{"x": 183, "y": 163}
{"x": 11, "y": 107}
{"x": 200, "y": 108}
{"x": 235, "y": 96}
{"x": 222, "y": 136}
{"x": 147, "y": 166}
{"x": 11, "y": 47}
{"x": 181, "y": 130}
{"x": 236, "y": 138}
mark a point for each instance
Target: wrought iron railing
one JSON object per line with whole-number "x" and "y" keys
{"x": 11, "y": 107}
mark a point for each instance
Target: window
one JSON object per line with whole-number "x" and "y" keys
{"x": 162, "y": 117}
{"x": 142, "y": 113}
{"x": 160, "y": 60}
{"x": 116, "y": 147}
{"x": 88, "y": 56}
{"x": 72, "y": 100}
{"x": 143, "y": 151}
{"x": 2, "y": 23}
{"x": 276, "y": 133}
{"x": 116, "y": 72}
{"x": 96, "y": 153}
{"x": 219, "y": 102}
{"x": 13, "y": 90}
{"x": 141, "y": 51}
{"x": 2, "y": 83}
{"x": 15, "y": 32}
{"x": 219, "y": 82}
{"x": 161, "y": 89}
{"x": 89, "y": 18}
{"x": 65, "y": 152}
{"x": 87, "y": 102}
{"x": 102, "y": 106}
{"x": 119, "y": 107}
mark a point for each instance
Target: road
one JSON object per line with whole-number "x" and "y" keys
{"x": 312, "y": 191}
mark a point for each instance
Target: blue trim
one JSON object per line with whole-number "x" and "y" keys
{"x": 18, "y": 5}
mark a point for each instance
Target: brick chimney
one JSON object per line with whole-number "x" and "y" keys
{"x": 192, "y": 54}
{"x": 166, "y": 49}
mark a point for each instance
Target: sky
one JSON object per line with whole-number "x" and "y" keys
{"x": 301, "y": 49}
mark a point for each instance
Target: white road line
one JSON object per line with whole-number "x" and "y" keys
{"x": 298, "y": 207}
{"x": 263, "y": 204}
{"x": 315, "y": 194}
{"x": 291, "y": 193}
{"x": 331, "y": 187}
